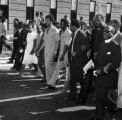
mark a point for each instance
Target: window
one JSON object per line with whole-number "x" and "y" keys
{"x": 108, "y": 12}
{"x": 74, "y": 9}
{"x": 53, "y": 8}
{"x": 92, "y": 10}
{"x": 30, "y": 10}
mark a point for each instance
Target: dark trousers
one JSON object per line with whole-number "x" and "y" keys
{"x": 75, "y": 75}
{"x": 85, "y": 88}
{"x": 104, "y": 84}
{"x": 15, "y": 50}
{"x": 18, "y": 60}
{"x": 102, "y": 101}
{"x": 41, "y": 63}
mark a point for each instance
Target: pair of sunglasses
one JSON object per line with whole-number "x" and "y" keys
{"x": 107, "y": 31}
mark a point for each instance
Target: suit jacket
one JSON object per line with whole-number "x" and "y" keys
{"x": 81, "y": 46}
{"x": 96, "y": 39}
{"x": 108, "y": 54}
{"x": 22, "y": 39}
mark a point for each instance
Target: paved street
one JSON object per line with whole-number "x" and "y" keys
{"x": 28, "y": 99}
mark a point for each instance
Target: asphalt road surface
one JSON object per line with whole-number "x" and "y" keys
{"x": 28, "y": 99}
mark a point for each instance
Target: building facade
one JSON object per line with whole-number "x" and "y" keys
{"x": 25, "y": 9}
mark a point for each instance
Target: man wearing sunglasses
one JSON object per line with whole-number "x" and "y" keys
{"x": 106, "y": 63}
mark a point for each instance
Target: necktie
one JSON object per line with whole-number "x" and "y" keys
{"x": 72, "y": 43}
{"x": 47, "y": 30}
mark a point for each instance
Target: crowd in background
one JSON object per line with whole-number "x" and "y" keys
{"x": 86, "y": 52}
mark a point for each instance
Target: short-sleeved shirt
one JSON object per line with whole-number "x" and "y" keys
{"x": 51, "y": 36}
{"x": 65, "y": 38}
{"x": 38, "y": 20}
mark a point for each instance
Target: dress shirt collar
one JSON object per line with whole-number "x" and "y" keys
{"x": 49, "y": 28}
{"x": 108, "y": 40}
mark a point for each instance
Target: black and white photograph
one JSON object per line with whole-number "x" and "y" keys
{"x": 60, "y": 59}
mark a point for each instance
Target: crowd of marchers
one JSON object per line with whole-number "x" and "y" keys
{"x": 84, "y": 52}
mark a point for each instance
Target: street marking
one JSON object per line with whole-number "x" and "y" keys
{"x": 23, "y": 80}
{"x": 15, "y": 73}
{"x": 28, "y": 97}
{"x": 36, "y": 113}
{"x": 1, "y": 116}
{"x": 76, "y": 108}
{"x": 22, "y": 85}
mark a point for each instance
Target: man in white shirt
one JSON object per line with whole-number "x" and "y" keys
{"x": 51, "y": 41}
{"x": 63, "y": 57}
{"x": 3, "y": 34}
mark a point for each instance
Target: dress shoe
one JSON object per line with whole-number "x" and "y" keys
{"x": 81, "y": 101}
{"x": 51, "y": 87}
{"x": 10, "y": 62}
{"x": 78, "y": 102}
{"x": 71, "y": 97}
{"x": 42, "y": 81}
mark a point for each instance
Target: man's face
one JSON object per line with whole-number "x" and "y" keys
{"x": 84, "y": 27}
{"x": 39, "y": 29}
{"x": 73, "y": 28}
{"x": 48, "y": 22}
{"x": 30, "y": 28}
{"x": 107, "y": 35}
{"x": 108, "y": 32}
{"x": 116, "y": 28}
{"x": 62, "y": 25}
{"x": 98, "y": 21}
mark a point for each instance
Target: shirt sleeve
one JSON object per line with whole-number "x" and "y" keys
{"x": 68, "y": 39}
{"x": 5, "y": 24}
{"x": 44, "y": 37}
{"x": 35, "y": 36}
{"x": 56, "y": 35}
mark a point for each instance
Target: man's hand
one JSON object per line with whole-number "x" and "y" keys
{"x": 106, "y": 68}
{"x": 74, "y": 54}
{"x": 37, "y": 53}
{"x": 83, "y": 47}
{"x": 89, "y": 53}
{"x": 32, "y": 52}
{"x": 54, "y": 55}
{"x": 21, "y": 50}
{"x": 96, "y": 72}
{"x": 61, "y": 58}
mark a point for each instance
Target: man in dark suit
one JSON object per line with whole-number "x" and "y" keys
{"x": 107, "y": 61}
{"x": 15, "y": 43}
{"x": 21, "y": 46}
{"x": 77, "y": 57}
{"x": 97, "y": 34}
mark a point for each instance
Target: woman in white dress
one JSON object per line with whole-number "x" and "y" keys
{"x": 29, "y": 56}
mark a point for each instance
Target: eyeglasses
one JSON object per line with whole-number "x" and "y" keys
{"x": 106, "y": 31}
